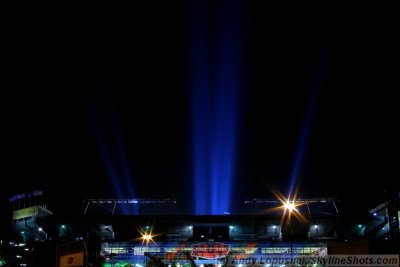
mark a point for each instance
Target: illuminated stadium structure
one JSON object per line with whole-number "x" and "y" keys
{"x": 162, "y": 235}
{"x": 251, "y": 236}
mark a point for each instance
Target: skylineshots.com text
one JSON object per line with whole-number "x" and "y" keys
{"x": 328, "y": 261}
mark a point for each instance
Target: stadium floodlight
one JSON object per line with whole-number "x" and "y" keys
{"x": 147, "y": 237}
{"x": 289, "y": 206}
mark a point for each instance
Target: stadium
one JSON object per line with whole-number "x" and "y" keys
{"x": 159, "y": 233}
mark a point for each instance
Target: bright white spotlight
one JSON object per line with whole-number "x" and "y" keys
{"x": 289, "y": 206}
{"x": 147, "y": 237}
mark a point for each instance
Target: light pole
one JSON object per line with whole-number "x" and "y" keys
{"x": 289, "y": 208}
{"x": 41, "y": 231}
{"x": 275, "y": 235}
{"x": 147, "y": 237}
{"x": 291, "y": 236}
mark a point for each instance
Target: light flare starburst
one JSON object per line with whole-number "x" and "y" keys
{"x": 146, "y": 236}
{"x": 289, "y": 206}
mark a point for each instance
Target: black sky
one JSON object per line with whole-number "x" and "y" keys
{"x": 130, "y": 68}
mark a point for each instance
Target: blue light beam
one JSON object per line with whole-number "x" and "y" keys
{"x": 311, "y": 106}
{"x": 104, "y": 152}
{"x": 214, "y": 82}
{"x": 126, "y": 173}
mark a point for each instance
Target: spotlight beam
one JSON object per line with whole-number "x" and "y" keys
{"x": 299, "y": 157}
{"x": 215, "y": 87}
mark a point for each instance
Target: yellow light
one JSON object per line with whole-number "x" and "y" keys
{"x": 289, "y": 206}
{"x": 146, "y": 235}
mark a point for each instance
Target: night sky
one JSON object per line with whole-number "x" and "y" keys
{"x": 123, "y": 75}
